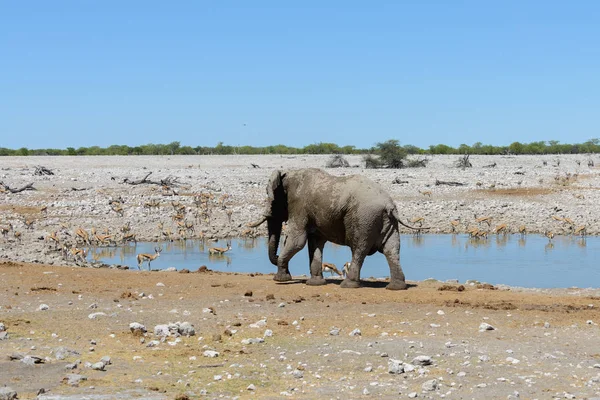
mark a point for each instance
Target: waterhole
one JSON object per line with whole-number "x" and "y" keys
{"x": 531, "y": 261}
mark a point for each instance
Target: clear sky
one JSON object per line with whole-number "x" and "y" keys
{"x": 83, "y": 73}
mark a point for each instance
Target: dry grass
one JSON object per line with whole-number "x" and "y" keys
{"x": 523, "y": 192}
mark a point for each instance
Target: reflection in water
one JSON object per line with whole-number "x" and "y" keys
{"x": 513, "y": 260}
{"x": 417, "y": 240}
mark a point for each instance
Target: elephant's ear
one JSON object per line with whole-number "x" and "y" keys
{"x": 275, "y": 183}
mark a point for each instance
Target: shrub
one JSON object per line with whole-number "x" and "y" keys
{"x": 463, "y": 162}
{"x": 372, "y": 162}
{"x": 337, "y": 161}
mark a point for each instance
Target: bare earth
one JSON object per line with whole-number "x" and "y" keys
{"x": 544, "y": 344}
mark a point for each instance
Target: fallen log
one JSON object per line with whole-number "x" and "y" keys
{"x": 438, "y": 183}
{"x": 26, "y": 187}
{"x": 169, "y": 181}
{"x": 41, "y": 170}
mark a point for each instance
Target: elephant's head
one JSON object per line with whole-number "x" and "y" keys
{"x": 276, "y": 212}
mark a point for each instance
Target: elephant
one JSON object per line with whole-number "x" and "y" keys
{"x": 350, "y": 210}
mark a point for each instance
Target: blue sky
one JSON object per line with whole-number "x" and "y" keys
{"x": 83, "y": 73}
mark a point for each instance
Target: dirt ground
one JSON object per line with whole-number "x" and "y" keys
{"x": 544, "y": 344}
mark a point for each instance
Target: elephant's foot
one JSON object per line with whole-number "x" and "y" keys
{"x": 282, "y": 277}
{"x": 347, "y": 283}
{"x": 316, "y": 281}
{"x": 396, "y": 285}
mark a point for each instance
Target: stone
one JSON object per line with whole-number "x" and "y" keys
{"x": 248, "y": 293}
{"x": 334, "y": 332}
{"x": 430, "y": 385}
{"x": 186, "y": 329}
{"x": 3, "y": 335}
{"x": 106, "y": 360}
{"x": 211, "y": 353}
{"x": 96, "y": 315}
{"x": 60, "y": 353}
{"x": 413, "y": 395}
{"x": 251, "y": 387}
{"x": 31, "y": 360}
{"x": 2, "y": 327}
{"x": 355, "y": 332}
{"x": 137, "y": 329}
{"x": 99, "y": 366}
{"x": 43, "y": 307}
{"x": 486, "y": 327}
{"x": 422, "y": 361}
{"x": 74, "y": 379}
{"x": 253, "y": 341}
{"x": 7, "y": 393}
{"x": 259, "y": 324}
{"x": 268, "y": 333}
{"x": 162, "y": 330}
{"x": 395, "y": 366}
{"x": 298, "y": 374}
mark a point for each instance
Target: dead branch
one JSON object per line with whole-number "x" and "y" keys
{"x": 397, "y": 181}
{"x": 255, "y": 165}
{"x": 169, "y": 181}
{"x": 41, "y": 170}
{"x": 210, "y": 365}
{"x": 26, "y": 187}
{"x": 74, "y": 189}
{"x": 438, "y": 183}
{"x": 490, "y": 166}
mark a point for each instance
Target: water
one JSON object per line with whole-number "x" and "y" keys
{"x": 531, "y": 261}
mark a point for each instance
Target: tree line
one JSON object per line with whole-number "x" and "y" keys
{"x": 540, "y": 147}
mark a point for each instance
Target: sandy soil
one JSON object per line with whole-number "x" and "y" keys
{"x": 544, "y": 344}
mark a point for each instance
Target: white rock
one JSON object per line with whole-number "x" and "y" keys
{"x": 412, "y": 395}
{"x": 96, "y": 315}
{"x": 160, "y": 284}
{"x": 162, "y": 330}
{"x": 355, "y": 332}
{"x": 430, "y": 385}
{"x": 136, "y": 327}
{"x": 422, "y": 360}
{"x": 281, "y": 305}
{"x": 485, "y": 327}
{"x": 251, "y": 387}
{"x": 334, "y": 331}
{"x": 43, "y": 307}
{"x": 395, "y": 366}
{"x": 298, "y": 374}
{"x": 368, "y": 369}
{"x": 268, "y": 333}
{"x": 259, "y": 324}
{"x": 211, "y": 353}
{"x": 440, "y": 312}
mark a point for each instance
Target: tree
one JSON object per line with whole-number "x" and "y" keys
{"x": 391, "y": 153}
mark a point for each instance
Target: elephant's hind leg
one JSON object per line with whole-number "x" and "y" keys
{"x": 315, "y": 256}
{"x": 294, "y": 242}
{"x": 391, "y": 250}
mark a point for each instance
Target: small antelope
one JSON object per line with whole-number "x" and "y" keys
{"x": 130, "y": 237}
{"x": 487, "y": 220}
{"x": 502, "y": 228}
{"x": 189, "y": 226}
{"x": 126, "y": 228}
{"x": 582, "y": 230}
{"x": 418, "y": 220}
{"x": 44, "y": 209}
{"x": 29, "y": 223}
{"x": 557, "y": 218}
{"x": 579, "y": 196}
{"x": 346, "y": 269}
{"x": 331, "y": 268}
{"x": 104, "y": 239}
{"x": 118, "y": 208}
{"x": 454, "y": 224}
{"x": 148, "y": 257}
{"x": 523, "y": 230}
{"x": 219, "y": 250}
{"x": 568, "y": 221}
{"x": 549, "y": 235}
{"x": 5, "y": 229}
{"x": 425, "y": 192}
{"x": 83, "y": 235}
{"x": 17, "y": 235}
{"x": 80, "y": 254}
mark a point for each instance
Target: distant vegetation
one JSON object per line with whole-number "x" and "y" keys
{"x": 389, "y": 152}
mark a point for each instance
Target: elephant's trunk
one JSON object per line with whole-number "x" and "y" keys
{"x": 274, "y": 237}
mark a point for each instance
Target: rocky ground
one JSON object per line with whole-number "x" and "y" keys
{"x": 517, "y": 191}
{"x": 255, "y": 338}
{"x": 74, "y": 331}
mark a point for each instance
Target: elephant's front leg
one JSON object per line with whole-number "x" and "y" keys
{"x": 315, "y": 257}
{"x": 294, "y": 242}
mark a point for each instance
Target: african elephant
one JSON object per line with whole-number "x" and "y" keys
{"x": 319, "y": 207}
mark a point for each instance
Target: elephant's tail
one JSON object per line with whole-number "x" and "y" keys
{"x": 393, "y": 212}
